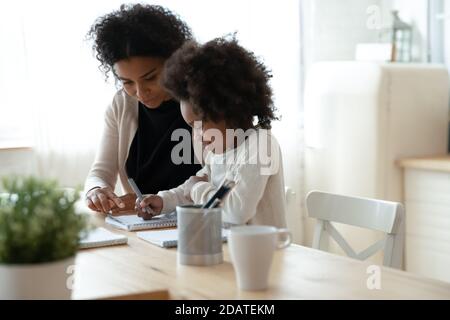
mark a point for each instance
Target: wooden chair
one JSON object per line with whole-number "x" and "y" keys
{"x": 367, "y": 213}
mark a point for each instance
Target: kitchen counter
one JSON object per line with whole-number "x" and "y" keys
{"x": 434, "y": 163}
{"x": 427, "y": 211}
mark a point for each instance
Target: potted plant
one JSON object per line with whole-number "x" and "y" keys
{"x": 39, "y": 237}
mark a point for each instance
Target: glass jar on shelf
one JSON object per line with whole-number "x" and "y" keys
{"x": 401, "y": 39}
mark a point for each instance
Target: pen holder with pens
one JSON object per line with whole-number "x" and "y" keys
{"x": 199, "y": 235}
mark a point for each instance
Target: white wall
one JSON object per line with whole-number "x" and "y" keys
{"x": 335, "y": 27}
{"x": 447, "y": 33}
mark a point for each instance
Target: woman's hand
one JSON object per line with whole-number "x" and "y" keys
{"x": 189, "y": 184}
{"x": 129, "y": 200}
{"x": 153, "y": 202}
{"x": 103, "y": 200}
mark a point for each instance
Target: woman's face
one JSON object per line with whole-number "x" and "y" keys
{"x": 140, "y": 79}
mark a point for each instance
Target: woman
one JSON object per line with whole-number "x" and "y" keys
{"x": 133, "y": 43}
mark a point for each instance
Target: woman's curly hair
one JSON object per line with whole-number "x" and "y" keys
{"x": 221, "y": 80}
{"x": 136, "y": 30}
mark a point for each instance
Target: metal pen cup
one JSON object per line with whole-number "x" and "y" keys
{"x": 199, "y": 235}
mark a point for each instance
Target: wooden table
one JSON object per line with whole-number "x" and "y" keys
{"x": 297, "y": 273}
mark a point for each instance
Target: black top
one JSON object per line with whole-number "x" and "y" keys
{"x": 149, "y": 160}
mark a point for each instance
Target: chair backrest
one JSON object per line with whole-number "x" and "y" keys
{"x": 385, "y": 216}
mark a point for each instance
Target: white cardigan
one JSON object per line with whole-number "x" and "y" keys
{"x": 258, "y": 196}
{"x": 121, "y": 122}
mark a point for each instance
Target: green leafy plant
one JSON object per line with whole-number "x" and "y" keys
{"x": 38, "y": 222}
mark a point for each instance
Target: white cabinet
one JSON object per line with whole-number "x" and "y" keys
{"x": 427, "y": 204}
{"x": 360, "y": 117}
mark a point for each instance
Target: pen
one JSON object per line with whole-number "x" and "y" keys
{"x": 138, "y": 194}
{"x": 220, "y": 194}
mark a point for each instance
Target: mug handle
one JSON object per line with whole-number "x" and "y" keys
{"x": 286, "y": 234}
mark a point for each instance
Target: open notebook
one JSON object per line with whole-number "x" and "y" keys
{"x": 133, "y": 222}
{"x": 167, "y": 238}
{"x": 100, "y": 237}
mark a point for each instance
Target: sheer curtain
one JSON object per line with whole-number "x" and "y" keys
{"x": 14, "y": 122}
{"x": 56, "y": 96}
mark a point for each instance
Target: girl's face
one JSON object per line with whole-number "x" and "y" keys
{"x": 204, "y": 132}
{"x": 140, "y": 79}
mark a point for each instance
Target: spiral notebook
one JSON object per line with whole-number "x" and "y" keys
{"x": 167, "y": 238}
{"x": 133, "y": 222}
{"x": 100, "y": 237}
{"x": 162, "y": 238}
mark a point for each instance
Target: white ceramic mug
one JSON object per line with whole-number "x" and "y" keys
{"x": 251, "y": 250}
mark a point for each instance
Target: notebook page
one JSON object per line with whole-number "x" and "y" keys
{"x": 167, "y": 238}
{"x": 162, "y": 238}
{"x": 100, "y": 237}
{"x": 133, "y": 222}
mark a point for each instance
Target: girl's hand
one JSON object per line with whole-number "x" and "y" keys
{"x": 154, "y": 202}
{"x": 103, "y": 199}
{"x": 189, "y": 184}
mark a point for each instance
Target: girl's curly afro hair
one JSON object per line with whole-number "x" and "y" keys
{"x": 222, "y": 81}
{"x": 137, "y": 30}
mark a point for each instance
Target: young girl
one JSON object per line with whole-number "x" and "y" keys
{"x": 223, "y": 90}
